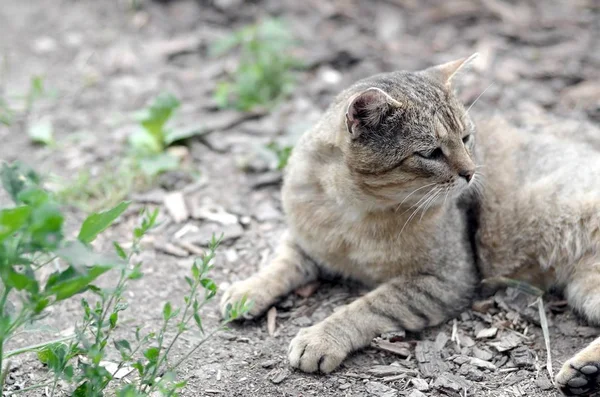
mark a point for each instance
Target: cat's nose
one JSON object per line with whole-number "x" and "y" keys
{"x": 467, "y": 174}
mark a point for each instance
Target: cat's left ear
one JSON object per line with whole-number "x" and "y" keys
{"x": 447, "y": 71}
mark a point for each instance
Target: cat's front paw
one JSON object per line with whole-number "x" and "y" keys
{"x": 256, "y": 292}
{"x": 579, "y": 375}
{"x": 314, "y": 349}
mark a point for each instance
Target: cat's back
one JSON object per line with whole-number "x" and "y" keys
{"x": 533, "y": 182}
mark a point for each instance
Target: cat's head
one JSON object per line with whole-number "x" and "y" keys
{"x": 409, "y": 139}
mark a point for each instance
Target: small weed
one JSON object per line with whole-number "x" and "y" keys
{"x": 41, "y": 131}
{"x": 31, "y": 237}
{"x": 264, "y": 74}
{"x": 153, "y": 137}
{"x": 282, "y": 152}
{"x": 6, "y": 113}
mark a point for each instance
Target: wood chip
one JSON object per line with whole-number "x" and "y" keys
{"x": 466, "y": 340}
{"x": 171, "y": 249}
{"x": 523, "y": 357}
{"x": 380, "y": 390}
{"x": 389, "y": 370}
{"x": 487, "y": 333}
{"x": 271, "y": 320}
{"x": 507, "y": 342}
{"x": 176, "y": 207}
{"x": 279, "y": 375}
{"x": 450, "y": 383}
{"x": 419, "y": 384}
{"x": 429, "y": 359}
{"x": 440, "y": 341}
{"x": 482, "y": 354}
{"x": 402, "y": 349}
{"x": 479, "y": 363}
{"x": 190, "y": 247}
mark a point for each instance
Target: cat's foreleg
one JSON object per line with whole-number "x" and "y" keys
{"x": 412, "y": 304}
{"x": 289, "y": 269}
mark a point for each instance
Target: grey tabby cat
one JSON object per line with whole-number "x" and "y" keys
{"x": 382, "y": 190}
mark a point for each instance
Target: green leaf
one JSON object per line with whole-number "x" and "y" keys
{"x": 198, "y": 321}
{"x": 19, "y": 281}
{"x": 41, "y": 132}
{"x": 210, "y": 286}
{"x": 167, "y": 310}
{"x": 120, "y": 251}
{"x": 114, "y": 317}
{"x": 12, "y": 220}
{"x": 70, "y": 281}
{"x": 143, "y": 143}
{"x": 36, "y": 87}
{"x": 98, "y": 222}
{"x": 157, "y": 164}
{"x": 136, "y": 272}
{"x": 156, "y": 115}
{"x": 16, "y": 177}
{"x": 46, "y": 225}
{"x": 68, "y": 372}
{"x": 130, "y": 391}
{"x": 151, "y": 354}
{"x": 40, "y": 305}
{"x": 122, "y": 344}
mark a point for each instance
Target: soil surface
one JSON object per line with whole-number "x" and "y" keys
{"x": 106, "y": 60}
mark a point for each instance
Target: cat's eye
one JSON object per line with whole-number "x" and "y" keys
{"x": 432, "y": 155}
{"x": 466, "y": 139}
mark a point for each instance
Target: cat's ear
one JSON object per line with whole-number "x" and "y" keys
{"x": 447, "y": 71}
{"x": 367, "y": 109}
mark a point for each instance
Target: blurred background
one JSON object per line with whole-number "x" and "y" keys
{"x": 194, "y": 106}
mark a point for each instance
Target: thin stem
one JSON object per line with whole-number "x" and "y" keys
{"x": 3, "y": 299}
{"x": 54, "y": 385}
{"x": 161, "y": 336}
{"x": 36, "y": 347}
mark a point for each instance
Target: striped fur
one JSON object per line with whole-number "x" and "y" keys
{"x": 390, "y": 199}
{"x": 362, "y": 202}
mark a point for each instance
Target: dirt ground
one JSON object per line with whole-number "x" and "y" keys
{"x": 106, "y": 60}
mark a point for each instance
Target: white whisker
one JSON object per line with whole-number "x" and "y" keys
{"x": 446, "y": 198}
{"x": 480, "y": 95}
{"x": 417, "y": 189}
{"x": 419, "y": 202}
{"x": 428, "y": 205}
{"x": 429, "y": 194}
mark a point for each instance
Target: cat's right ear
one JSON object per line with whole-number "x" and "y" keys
{"x": 367, "y": 109}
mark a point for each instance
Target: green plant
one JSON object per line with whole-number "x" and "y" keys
{"x": 282, "y": 152}
{"x": 6, "y": 113}
{"x": 264, "y": 73}
{"x": 31, "y": 237}
{"x": 40, "y": 131}
{"x": 153, "y": 137}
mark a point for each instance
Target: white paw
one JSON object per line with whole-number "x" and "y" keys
{"x": 314, "y": 349}
{"x": 255, "y": 291}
